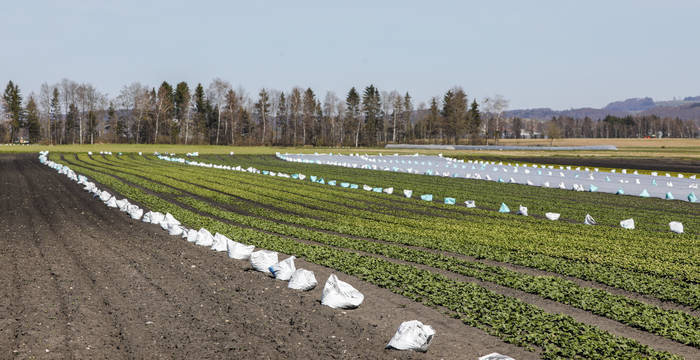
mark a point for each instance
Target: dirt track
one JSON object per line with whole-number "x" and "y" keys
{"x": 80, "y": 280}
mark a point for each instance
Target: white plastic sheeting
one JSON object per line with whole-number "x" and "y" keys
{"x": 303, "y": 280}
{"x": 284, "y": 269}
{"x": 412, "y": 335}
{"x": 470, "y": 203}
{"x": 261, "y": 260}
{"x": 340, "y": 295}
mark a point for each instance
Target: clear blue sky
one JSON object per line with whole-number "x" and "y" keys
{"x": 557, "y": 54}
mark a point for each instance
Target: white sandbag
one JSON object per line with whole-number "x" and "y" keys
{"x": 175, "y": 230}
{"x": 676, "y": 227}
{"x": 302, "y": 279}
{"x": 470, "y": 203}
{"x": 408, "y": 193}
{"x": 220, "y": 242}
{"x": 204, "y": 238}
{"x": 284, "y": 269}
{"x": 261, "y": 260}
{"x": 522, "y": 210}
{"x": 104, "y": 196}
{"x": 123, "y": 205}
{"x": 112, "y": 202}
{"x": 627, "y": 224}
{"x": 412, "y": 335}
{"x": 157, "y": 217}
{"x": 552, "y": 216}
{"x": 589, "y": 220}
{"x": 495, "y": 356}
{"x": 192, "y": 235}
{"x": 389, "y": 190}
{"x": 134, "y": 211}
{"x": 147, "y": 217}
{"x": 239, "y": 251}
{"x": 167, "y": 220}
{"x": 340, "y": 295}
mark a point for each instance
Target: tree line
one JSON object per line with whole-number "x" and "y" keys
{"x": 73, "y": 113}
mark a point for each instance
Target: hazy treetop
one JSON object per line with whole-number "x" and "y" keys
{"x": 558, "y": 54}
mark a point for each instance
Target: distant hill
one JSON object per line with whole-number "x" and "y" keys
{"x": 687, "y": 109}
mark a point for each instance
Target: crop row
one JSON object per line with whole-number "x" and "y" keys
{"x": 664, "y": 288}
{"x": 675, "y": 325}
{"x": 615, "y": 247}
{"x": 557, "y": 336}
{"x": 651, "y": 214}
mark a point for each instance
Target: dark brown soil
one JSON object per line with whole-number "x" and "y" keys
{"x": 80, "y": 280}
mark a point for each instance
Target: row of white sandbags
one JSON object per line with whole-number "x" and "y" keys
{"x": 411, "y": 335}
{"x": 337, "y": 294}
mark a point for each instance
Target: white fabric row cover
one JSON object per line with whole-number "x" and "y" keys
{"x": 340, "y": 295}
{"x": 412, "y": 335}
{"x": 563, "y": 177}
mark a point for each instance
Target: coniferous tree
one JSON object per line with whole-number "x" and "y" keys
{"x": 54, "y": 117}
{"x": 200, "y": 110}
{"x": 13, "y": 108}
{"x": 282, "y": 118}
{"x": 433, "y": 119}
{"x": 32, "y": 121}
{"x": 371, "y": 105}
{"x": 352, "y": 102}
{"x": 309, "y": 112}
{"x": 407, "y": 111}
{"x": 474, "y": 122}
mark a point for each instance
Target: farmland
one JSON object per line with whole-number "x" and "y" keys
{"x": 525, "y": 286}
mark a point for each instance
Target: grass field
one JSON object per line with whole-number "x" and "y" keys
{"x": 559, "y": 289}
{"x": 627, "y": 148}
